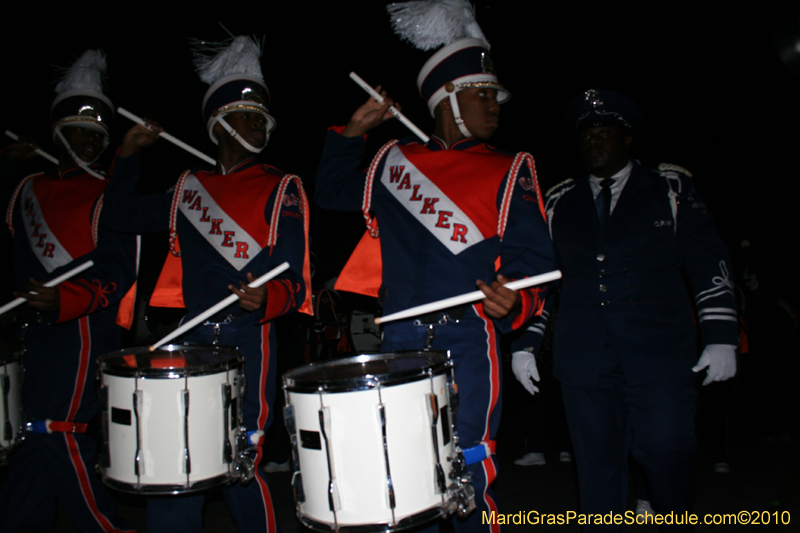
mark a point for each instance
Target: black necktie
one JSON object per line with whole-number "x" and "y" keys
{"x": 603, "y": 200}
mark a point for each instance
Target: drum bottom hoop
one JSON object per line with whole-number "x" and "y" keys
{"x": 416, "y": 520}
{"x": 164, "y": 490}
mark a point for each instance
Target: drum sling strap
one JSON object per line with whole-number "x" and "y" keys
{"x": 52, "y": 426}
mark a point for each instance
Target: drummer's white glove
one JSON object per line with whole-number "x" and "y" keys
{"x": 524, "y": 366}
{"x": 720, "y": 360}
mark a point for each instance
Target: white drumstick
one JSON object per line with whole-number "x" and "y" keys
{"x": 167, "y": 136}
{"x": 38, "y": 150}
{"x": 468, "y": 297}
{"x": 52, "y": 283}
{"x": 401, "y": 117}
{"x": 219, "y": 306}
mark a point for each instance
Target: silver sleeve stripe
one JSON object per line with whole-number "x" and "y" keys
{"x": 540, "y": 325}
{"x": 717, "y": 291}
{"x": 537, "y": 329}
{"x": 718, "y": 317}
{"x": 717, "y": 310}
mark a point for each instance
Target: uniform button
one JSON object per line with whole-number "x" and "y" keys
{"x": 627, "y": 271}
{"x": 601, "y": 273}
{"x": 605, "y": 302}
{"x": 603, "y": 288}
{"x": 601, "y": 257}
{"x": 628, "y": 287}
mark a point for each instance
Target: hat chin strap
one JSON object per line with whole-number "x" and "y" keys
{"x": 78, "y": 161}
{"x": 235, "y": 134}
{"x": 457, "y": 115}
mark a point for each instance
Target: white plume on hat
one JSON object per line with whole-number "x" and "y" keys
{"x": 428, "y": 24}
{"x": 240, "y": 55}
{"x": 86, "y": 74}
{"x": 224, "y": 66}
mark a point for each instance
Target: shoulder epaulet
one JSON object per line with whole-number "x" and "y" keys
{"x": 551, "y": 199}
{"x": 670, "y": 173}
{"x": 552, "y": 189}
{"x": 669, "y": 167}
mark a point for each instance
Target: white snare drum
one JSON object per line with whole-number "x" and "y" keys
{"x": 374, "y": 442}
{"x": 11, "y": 418}
{"x": 171, "y": 418}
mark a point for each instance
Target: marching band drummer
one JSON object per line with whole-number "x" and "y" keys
{"x": 57, "y": 223}
{"x": 227, "y": 226}
{"x": 451, "y": 211}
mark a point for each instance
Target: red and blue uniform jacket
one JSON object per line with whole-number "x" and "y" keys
{"x": 223, "y": 226}
{"x": 445, "y": 217}
{"x": 57, "y": 224}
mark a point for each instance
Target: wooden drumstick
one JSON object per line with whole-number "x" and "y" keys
{"x": 167, "y": 136}
{"x": 401, "y": 117}
{"x": 219, "y": 306}
{"x": 52, "y": 283}
{"x": 467, "y": 297}
{"x": 38, "y": 151}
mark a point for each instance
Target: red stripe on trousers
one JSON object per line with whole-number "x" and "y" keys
{"x": 85, "y": 485}
{"x": 83, "y": 364}
{"x": 263, "y": 413}
{"x": 489, "y": 469}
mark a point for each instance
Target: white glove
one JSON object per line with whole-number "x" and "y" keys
{"x": 720, "y": 360}
{"x": 524, "y": 366}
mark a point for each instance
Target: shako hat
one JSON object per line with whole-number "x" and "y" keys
{"x": 233, "y": 71}
{"x": 463, "y": 62}
{"x": 79, "y": 97}
{"x": 597, "y": 107}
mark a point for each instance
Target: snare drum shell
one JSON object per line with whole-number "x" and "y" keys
{"x": 157, "y": 428}
{"x": 357, "y": 451}
{"x": 11, "y": 403}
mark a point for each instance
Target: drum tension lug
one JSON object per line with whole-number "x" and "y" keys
{"x": 243, "y": 466}
{"x": 429, "y": 339}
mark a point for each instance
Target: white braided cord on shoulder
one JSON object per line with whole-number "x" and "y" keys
{"x": 520, "y": 159}
{"x": 96, "y": 219}
{"x": 10, "y": 208}
{"x": 272, "y": 239}
{"x": 366, "y": 204}
{"x": 173, "y": 213}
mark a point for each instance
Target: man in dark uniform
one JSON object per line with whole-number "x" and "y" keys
{"x": 625, "y": 340}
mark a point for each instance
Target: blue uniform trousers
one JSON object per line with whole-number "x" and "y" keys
{"x": 60, "y": 373}
{"x": 62, "y": 466}
{"x": 655, "y": 422}
{"x": 250, "y": 505}
{"x": 473, "y": 345}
